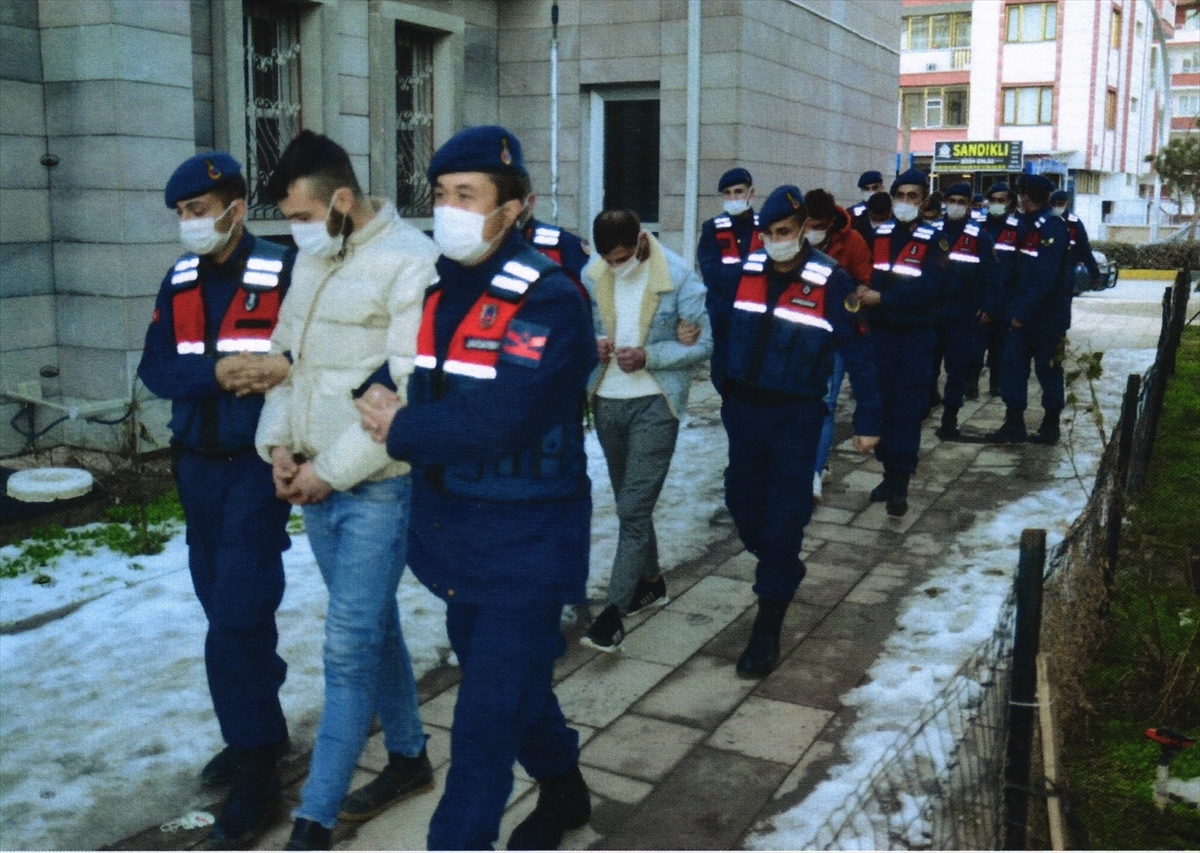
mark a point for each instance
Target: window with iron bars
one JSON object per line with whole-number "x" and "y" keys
{"x": 271, "y": 46}
{"x": 414, "y": 120}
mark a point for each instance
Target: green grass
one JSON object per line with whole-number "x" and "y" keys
{"x": 1146, "y": 671}
{"x": 132, "y": 530}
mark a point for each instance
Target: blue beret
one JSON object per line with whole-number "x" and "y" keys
{"x": 479, "y": 149}
{"x": 912, "y": 176}
{"x": 1059, "y": 195}
{"x": 871, "y": 177}
{"x": 780, "y": 204}
{"x": 200, "y": 174}
{"x": 733, "y": 177}
{"x": 1035, "y": 182}
{"x": 978, "y": 197}
{"x": 961, "y": 188}
{"x": 999, "y": 187}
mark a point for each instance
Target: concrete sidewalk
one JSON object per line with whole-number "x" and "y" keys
{"x": 681, "y": 753}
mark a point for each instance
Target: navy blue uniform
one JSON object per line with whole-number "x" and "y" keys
{"x": 501, "y": 518}
{"x": 1041, "y": 303}
{"x": 902, "y": 331}
{"x": 236, "y": 527}
{"x": 780, "y": 338}
{"x": 721, "y": 270}
{"x": 1081, "y": 246}
{"x": 970, "y": 276}
{"x": 559, "y": 245}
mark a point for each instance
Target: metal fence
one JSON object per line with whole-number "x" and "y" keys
{"x": 942, "y": 784}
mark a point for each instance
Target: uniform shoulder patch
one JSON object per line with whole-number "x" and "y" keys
{"x": 524, "y": 343}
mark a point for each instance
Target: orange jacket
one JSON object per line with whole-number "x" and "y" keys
{"x": 848, "y": 248}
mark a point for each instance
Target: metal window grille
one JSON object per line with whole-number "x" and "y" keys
{"x": 414, "y": 120}
{"x": 271, "y": 43}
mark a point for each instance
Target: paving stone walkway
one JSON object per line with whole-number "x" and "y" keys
{"x": 681, "y": 753}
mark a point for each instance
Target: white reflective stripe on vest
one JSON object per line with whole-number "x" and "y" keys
{"x": 262, "y": 279}
{"x": 243, "y": 345}
{"x": 803, "y": 318}
{"x": 966, "y": 259}
{"x": 426, "y": 361}
{"x": 190, "y": 347}
{"x": 264, "y": 264}
{"x": 755, "y": 307}
{"x": 726, "y": 260}
{"x": 465, "y": 368}
{"x": 184, "y": 277}
{"x": 513, "y": 285}
{"x": 522, "y": 271}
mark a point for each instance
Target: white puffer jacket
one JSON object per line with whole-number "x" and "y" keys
{"x": 341, "y": 319}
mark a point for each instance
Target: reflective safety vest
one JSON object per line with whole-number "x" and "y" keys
{"x": 1072, "y": 229}
{"x": 252, "y": 313}
{"x": 1006, "y": 240}
{"x": 908, "y": 262}
{"x": 1033, "y": 237}
{"x": 857, "y": 210}
{"x": 552, "y": 468}
{"x": 795, "y": 354}
{"x": 966, "y": 247}
{"x": 547, "y": 239}
{"x": 727, "y": 241}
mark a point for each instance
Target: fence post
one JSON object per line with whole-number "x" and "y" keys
{"x": 1023, "y": 693}
{"x": 1116, "y": 503}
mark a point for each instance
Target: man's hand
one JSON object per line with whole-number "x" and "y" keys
{"x": 604, "y": 349}
{"x": 630, "y": 359}
{"x": 307, "y": 487}
{"x": 984, "y": 318}
{"x": 283, "y": 470}
{"x": 687, "y": 333}
{"x": 378, "y": 407}
{"x": 1017, "y": 324}
{"x": 865, "y": 443}
{"x": 251, "y": 373}
{"x": 867, "y": 298}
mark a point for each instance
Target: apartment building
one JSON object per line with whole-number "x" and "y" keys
{"x": 641, "y": 103}
{"x": 1072, "y": 83}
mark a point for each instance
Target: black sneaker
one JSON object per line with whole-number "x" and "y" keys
{"x": 563, "y": 804}
{"x": 252, "y": 802}
{"x": 308, "y": 835}
{"x": 606, "y": 632}
{"x": 648, "y": 594}
{"x": 401, "y": 777}
{"x": 223, "y": 767}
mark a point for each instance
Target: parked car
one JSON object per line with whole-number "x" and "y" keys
{"x": 1108, "y": 274}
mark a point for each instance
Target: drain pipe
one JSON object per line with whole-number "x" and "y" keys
{"x": 691, "y": 178}
{"x": 554, "y": 113}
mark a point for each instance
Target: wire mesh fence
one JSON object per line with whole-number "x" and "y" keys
{"x": 941, "y": 785}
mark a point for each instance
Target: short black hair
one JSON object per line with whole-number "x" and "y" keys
{"x": 820, "y": 204}
{"x": 1040, "y": 197}
{"x": 880, "y": 204}
{"x": 230, "y": 190}
{"x": 613, "y": 228}
{"x": 318, "y": 158}
{"x": 933, "y": 200}
{"x": 509, "y": 186}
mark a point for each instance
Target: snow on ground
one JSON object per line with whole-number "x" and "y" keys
{"x": 937, "y": 633}
{"x": 105, "y": 718}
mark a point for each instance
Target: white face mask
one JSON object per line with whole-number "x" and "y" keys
{"x": 782, "y": 251}
{"x": 1059, "y": 211}
{"x": 201, "y": 235}
{"x": 956, "y": 211}
{"x": 867, "y": 194}
{"x": 995, "y": 208}
{"x": 905, "y": 212}
{"x": 313, "y": 238}
{"x": 735, "y": 206}
{"x": 459, "y": 233}
{"x": 628, "y": 270}
{"x": 815, "y": 237}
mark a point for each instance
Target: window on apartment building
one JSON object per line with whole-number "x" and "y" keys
{"x": 271, "y": 47}
{"x": 1189, "y": 61}
{"x": 936, "y": 32}
{"x": 1087, "y": 183}
{"x": 1187, "y": 104}
{"x": 934, "y": 106}
{"x": 1031, "y": 22}
{"x": 1032, "y": 105}
{"x": 1110, "y": 109}
{"x": 1114, "y": 29}
{"x": 414, "y": 120}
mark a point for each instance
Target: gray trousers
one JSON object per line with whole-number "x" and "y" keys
{"x": 638, "y": 437}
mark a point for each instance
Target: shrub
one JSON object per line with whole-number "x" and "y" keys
{"x": 1152, "y": 256}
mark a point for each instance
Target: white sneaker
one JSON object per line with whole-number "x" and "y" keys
{"x": 816, "y": 487}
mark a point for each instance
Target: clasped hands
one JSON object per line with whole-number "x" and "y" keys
{"x": 251, "y": 373}
{"x": 631, "y": 359}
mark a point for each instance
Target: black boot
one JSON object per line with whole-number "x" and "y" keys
{"x": 222, "y": 769}
{"x": 252, "y": 801}
{"x": 949, "y": 430}
{"x": 897, "y": 503}
{"x": 308, "y": 835}
{"x": 1013, "y": 429}
{"x": 971, "y": 392}
{"x": 884, "y": 490}
{"x": 762, "y": 652}
{"x": 563, "y": 804}
{"x": 401, "y": 777}
{"x": 1048, "y": 432}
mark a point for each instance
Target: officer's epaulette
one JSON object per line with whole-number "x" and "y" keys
{"x": 818, "y": 268}
{"x": 519, "y": 273}
{"x": 755, "y": 262}
{"x": 546, "y": 235}
{"x": 264, "y": 266}
{"x": 723, "y": 221}
{"x": 1071, "y": 217}
{"x": 971, "y": 228}
{"x": 885, "y": 228}
{"x": 186, "y": 271}
{"x": 924, "y": 233}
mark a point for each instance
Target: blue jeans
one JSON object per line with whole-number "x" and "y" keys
{"x": 360, "y": 541}
{"x": 825, "y": 444}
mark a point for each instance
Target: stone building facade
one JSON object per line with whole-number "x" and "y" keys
{"x": 648, "y": 103}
